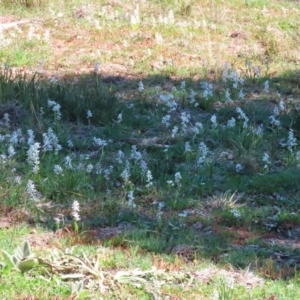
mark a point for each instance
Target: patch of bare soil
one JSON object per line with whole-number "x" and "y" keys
{"x": 107, "y": 233}
{"x": 42, "y": 241}
{"x": 244, "y": 278}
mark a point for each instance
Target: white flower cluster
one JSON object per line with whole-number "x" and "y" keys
{"x": 192, "y": 97}
{"x": 99, "y": 142}
{"x": 203, "y": 152}
{"x": 231, "y": 123}
{"x": 50, "y": 141}
{"x": 30, "y": 140}
{"x": 231, "y": 75}
{"x": 185, "y": 120}
{"x": 58, "y": 169}
{"x": 76, "y": 210}
{"x": 159, "y": 213}
{"x": 227, "y": 96}
{"x": 238, "y": 168}
{"x": 243, "y": 117}
{"x": 120, "y": 157}
{"x": 214, "y": 122}
{"x": 33, "y": 157}
{"x": 149, "y": 179}
{"x": 266, "y": 88}
{"x": 55, "y": 108}
{"x": 266, "y": 160}
{"x": 187, "y": 147}
{"x": 169, "y": 101}
{"x": 131, "y": 198}
{"x": 107, "y": 173}
{"x": 16, "y": 137}
{"x": 174, "y": 131}
{"x": 274, "y": 121}
{"x": 135, "y": 155}
{"x": 166, "y": 120}
{"x": 31, "y": 190}
{"x": 207, "y": 89}
{"x": 126, "y": 173}
{"x": 11, "y": 151}
{"x": 178, "y": 178}
{"x": 291, "y": 142}
{"x": 141, "y": 86}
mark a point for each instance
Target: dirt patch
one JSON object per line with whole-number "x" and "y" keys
{"x": 42, "y": 241}
{"x": 109, "y": 232}
{"x": 246, "y": 279}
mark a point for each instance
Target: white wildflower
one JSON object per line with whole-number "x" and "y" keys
{"x": 31, "y": 190}
{"x": 126, "y": 173}
{"x": 292, "y": 141}
{"x": 166, "y": 120}
{"x": 68, "y": 162}
{"x": 183, "y": 214}
{"x": 266, "y": 160}
{"x": 207, "y": 89}
{"x": 18, "y": 180}
{"x": 50, "y": 141}
{"x": 76, "y": 210}
{"x": 187, "y": 147}
{"x": 203, "y": 151}
{"x": 170, "y": 182}
{"x": 6, "y": 120}
{"x": 159, "y": 213}
{"x": 258, "y": 130}
{"x": 213, "y": 120}
{"x": 185, "y": 119}
{"x": 57, "y": 169}
{"x": 131, "y": 198}
{"x": 99, "y": 142}
{"x": 242, "y": 116}
{"x": 231, "y": 123}
{"x": 274, "y": 121}
{"x": 98, "y": 168}
{"x": 141, "y": 86}
{"x": 149, "y": 179}
{"x": 241, "y": 94}
{"x": 266, "y": 87}
{"x": 107, "y": 173}
{"x": 238, "y": 168}
{"x": 120, "y": 157}
{"x": 227, "y": 96}
{"x": 144, "y": 167}
{"x": 89, "y": 168}
{"x": 197, "y": 128}
{"x": 135, "y": 155}
{"x": 89, "y": 114}
{"x": 70, "y": 144}
{"x": 174, "y": 131}
{"x": 281, "y": 105}
{"x": 119, "y": 118}
{"x": 11, "y": 151}
{"x": 30, "y": 140}
{"x": 33, "y": 156}
{"x": 178, "y": 178}
{"x": 236, "y": 213}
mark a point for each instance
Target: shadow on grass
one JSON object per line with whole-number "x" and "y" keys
{"x": 217, "y": 236}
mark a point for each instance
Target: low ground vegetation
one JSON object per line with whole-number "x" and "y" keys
{"x": 154, "y": 178}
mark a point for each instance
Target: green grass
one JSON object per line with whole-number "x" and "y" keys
{"x": 180, "y": 162}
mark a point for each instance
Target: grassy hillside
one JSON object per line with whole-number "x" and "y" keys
{"x": 149, "y": 150}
